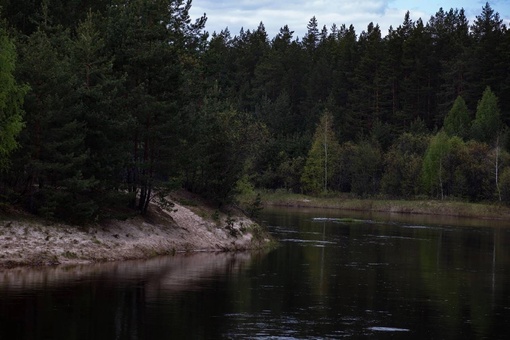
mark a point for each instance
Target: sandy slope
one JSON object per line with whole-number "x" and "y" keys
{"x": 164, "y": 231}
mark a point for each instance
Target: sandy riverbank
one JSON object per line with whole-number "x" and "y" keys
{"x": 36, "y": 242}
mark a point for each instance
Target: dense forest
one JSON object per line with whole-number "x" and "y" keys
{"x": 110, "y": 103}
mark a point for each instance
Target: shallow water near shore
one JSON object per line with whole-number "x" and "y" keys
{"x": 336, "y": 274}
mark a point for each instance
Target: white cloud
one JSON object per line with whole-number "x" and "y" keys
{"x": 296, "y": 14}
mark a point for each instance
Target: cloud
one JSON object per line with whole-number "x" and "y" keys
{"x": 296, "y": 14}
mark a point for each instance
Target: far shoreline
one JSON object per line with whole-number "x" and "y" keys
{"x": 451, "y": 208}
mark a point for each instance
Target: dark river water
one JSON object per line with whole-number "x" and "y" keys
{"x": 335, "y": 275}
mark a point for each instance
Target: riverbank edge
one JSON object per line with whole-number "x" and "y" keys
{"x": 188, "y": 225}
{"x": 494, "y": 211}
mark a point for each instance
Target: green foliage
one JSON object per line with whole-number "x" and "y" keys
{"x": 485, "y": 62}
{"x": 366, "y": 169}
{"x": 54, "y": 156}
{"x": 130, "y": 99}
{"x": 433, "y": 171}
{"x": 342, "y": 178}
{"x": 11, "y": 99}
{"x": 145, "y": 41}
{"x": 279, "y": 162}
{"x": 476, "y": 171}
{"x": 255, "y": 207}
{"x": 457, "y": 169}
{"x": 403, "y": 164}
{"x": 222, "y": 143}
{"x": 230, "y": 221}
{"x": 66, "y": 205}
{"x": 244, "y": 186}
{"x": 103, "y": 113}
{"x": 504, "y": 184}
{"x": 100, "y": 93}
{"x": 319, "y": 166}
{"x": 290, "y": 171}
{"x": 365, "y": 96}
{"x": 450, "y": 32}
{"x": 487, "y": 124}
{"x": 458, "y": 121}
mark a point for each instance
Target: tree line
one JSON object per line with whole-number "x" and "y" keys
{"x": 466, "y": 159}
{"x": 118, "y": 101}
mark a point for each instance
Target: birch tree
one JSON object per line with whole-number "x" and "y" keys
{"x": 433, "y": 171}
{"x": 320, "y": 162}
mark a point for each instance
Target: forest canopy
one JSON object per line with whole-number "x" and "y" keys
{"x": 108, "y": 104}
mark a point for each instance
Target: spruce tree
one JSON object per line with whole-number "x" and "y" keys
{"x": 487, "y": 124}
{"x": 457, "y": 122}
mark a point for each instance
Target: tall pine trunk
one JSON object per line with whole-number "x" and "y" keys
{"x": 133, "y": 174}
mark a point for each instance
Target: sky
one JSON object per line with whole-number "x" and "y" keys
{"x": 236, "y": 14}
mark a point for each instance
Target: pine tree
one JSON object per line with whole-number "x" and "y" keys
{"x": 154, "y": 44}
{"x": 100, "y": 93}
{"x": 218, "y": 61}
{"x": 311, "y": 38}
{"x": 452, "y": 44}
{"x": 418, "y": 100}
{"x": 343, "y": 81}
{"x": 24, "y": 15}
{"x": 392, "y": 67}
{"x": 250, "y": 50}
{"x": 365, "y": 96}
{"x": 485, "y": 65}
{"x": 53, "y": 158}
{"x": 504, "y": 68}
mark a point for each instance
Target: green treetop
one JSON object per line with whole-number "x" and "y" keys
{"x": 433, "y": 163}
{"x": 458, "y": 120}
{"x": 320, "y": 163}
{"x": 487, "y": 124}
{"x": 11, "y": 99}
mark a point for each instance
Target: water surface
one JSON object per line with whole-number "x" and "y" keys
{"x": 335, "y": 275}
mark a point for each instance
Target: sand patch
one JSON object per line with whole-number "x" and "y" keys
{"x": 163, "y": 231}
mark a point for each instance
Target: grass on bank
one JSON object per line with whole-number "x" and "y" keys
{"x": 412, "y": 206}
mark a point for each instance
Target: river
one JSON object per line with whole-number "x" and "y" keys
{"x": 335, "y": 275}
